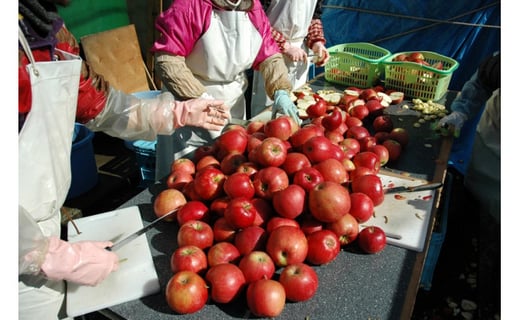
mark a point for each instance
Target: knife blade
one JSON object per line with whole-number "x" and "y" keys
{"x": 421, "y": 187}
{"x": 135, "y": 235}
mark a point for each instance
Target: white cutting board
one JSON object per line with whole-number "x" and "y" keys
{"x": 405, "y": 214}
{"x": 136, "y": 276}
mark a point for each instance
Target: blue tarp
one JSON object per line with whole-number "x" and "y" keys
{"x": 467, "y": 31}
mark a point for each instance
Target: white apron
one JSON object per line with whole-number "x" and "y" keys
{"x": 218, "y": 60}
{"x": 44, "y": 148}
{"x": 292, "y": 19}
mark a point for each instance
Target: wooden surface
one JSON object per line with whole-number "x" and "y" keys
{"x": 116, "y": 55}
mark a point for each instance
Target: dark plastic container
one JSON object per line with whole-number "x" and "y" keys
{"x": 82, "y": 162}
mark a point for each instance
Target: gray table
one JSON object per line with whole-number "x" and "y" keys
{"x": 353, "y": 286}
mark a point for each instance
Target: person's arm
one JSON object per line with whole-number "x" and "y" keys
{"x": 180, "y": 27}
{"x": 86, "y": 262}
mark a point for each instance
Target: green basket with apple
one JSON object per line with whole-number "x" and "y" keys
{"x": 421, "y": 75}
{"x": 355, "y": 64}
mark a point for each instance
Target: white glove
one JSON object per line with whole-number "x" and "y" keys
{"x": 321, "y": 53}
{"x": 452, "y": 123}
{"x": 295, "y": 53}
{"x": 84, "y": 262}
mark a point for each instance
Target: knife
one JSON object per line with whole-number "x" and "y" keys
{"x": 421, "y": 187}
{"x": 139, "y": 232}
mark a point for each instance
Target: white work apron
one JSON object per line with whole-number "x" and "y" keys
{"x": 218, "y": 60}
{"x": 292, "y": 19}
{"x": 44, "y": 148}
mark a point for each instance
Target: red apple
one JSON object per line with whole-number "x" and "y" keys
{"x": 265, "y": 298}
{"x": 218, "y": 205}
{"x": 249, "y": 168}
{"x": 361, "y": 206}
{"x": 223, "y": 252}
{"x": 279, "y": 127}
{"x": 289, "y": 202}
{"x": 231, "y": 141}
{"x": 294, "y": 162}
{"x": 193, "y": 210}
{"x": 333, "y": 120}
{"x": 400, "y": 135}
{"x": 372, "y": 239}
{"x": 184, "y": 165}
{"x": 178, "y": 179}
{"x": 309, "y": 224}
{"x": 328, "y": 201}
{"x": 307, "y": 178}
{"x": 195, "y": 232}
{"x": 191, "y": 258}
{"x": 351, "y": 147}
{"x": 394, "y": 149}
{"x": 359, "y": 111}
{"x": 360, "y": 171}
{"x": 186, "y": 292}
{"x": 255, "y": 126}
{"x": 271, "y": 152}
{"x": 206, "y": 161}
{"x": 382, "y": 152}
{"x": 371, "y": 185}
{"x": 223, "y": 231}
{"x": 352, "y": 121}
{"x": 317, "y": 149}
{"x": 226, "y": 282}
{"x": 324, "y": 246}
{"x": 383, "y": 123}
{"x": 397, "y": 97}
{"x": 357, "y": 133}
{"x": 257, "y": 265}
{"x": 367, "y": 159}
{"x": 318, "y": 109}
{"x": 381, "y": 136}
{"x": 287, "y": 245}
{"x": 209, "y": 183}
{"x": 276, "y": 222}
{"x": 239, "y": 184}
{"x": 375, "y": 108}
{"x": 230, "y": 163}
{"x": 254, "y": 140}
{"x": 252, "y": 238}
{"x": 268, "y": 180}
{"x": 166, "y": 201}
{"x": 201, "y": 152}
{"x": 240, "y": 212}
{"x": 368, "y": 94}
{"x": 264, "y": 210}
{"x": 300, "y": 282}
{"x": 303, "y": 134}
{"x": 346, "y": 228}
{"x": 332, "y": 170}
{"x": 367, "y": 142}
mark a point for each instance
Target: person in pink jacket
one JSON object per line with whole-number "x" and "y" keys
{"x": 204, "y": 49}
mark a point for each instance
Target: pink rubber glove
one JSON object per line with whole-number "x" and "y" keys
{"x": 321, "y": 53}
{"x": 84, "y": 262}
{"x": 295, "y": 53}
{"x": 205, "y": 113}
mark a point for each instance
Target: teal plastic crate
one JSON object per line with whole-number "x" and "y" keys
{"x": 438, "y": 236}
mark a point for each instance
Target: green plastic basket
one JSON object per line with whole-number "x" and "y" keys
{"x": 420, "y": 81}
{"x": 355, "y": 64}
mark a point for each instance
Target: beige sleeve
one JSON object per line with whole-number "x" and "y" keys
{"x": 275, "y": 73}
{"x": 177, "y": 77}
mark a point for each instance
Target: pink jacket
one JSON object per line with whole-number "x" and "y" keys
{"x": 187, "y": 20}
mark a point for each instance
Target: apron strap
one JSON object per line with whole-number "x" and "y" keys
{"x": 27, "y": 50}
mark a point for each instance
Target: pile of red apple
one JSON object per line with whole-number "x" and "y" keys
{"x": 266, "y": 203}
{"x": 417, "y": 57}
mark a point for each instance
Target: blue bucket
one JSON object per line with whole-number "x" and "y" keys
{"x": 82, "y": 162}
